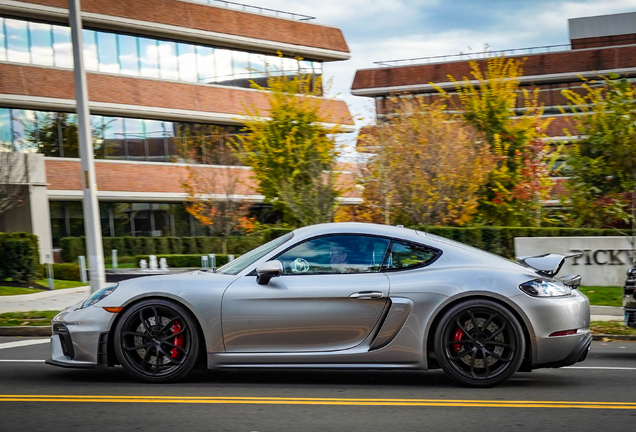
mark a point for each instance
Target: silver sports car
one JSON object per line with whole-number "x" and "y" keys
{"x": 345, "y": 295}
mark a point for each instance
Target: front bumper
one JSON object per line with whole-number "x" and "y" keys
{"x": 80, "y": 338}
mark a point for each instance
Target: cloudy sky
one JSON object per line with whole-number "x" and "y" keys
{"x": 394, "y": 29}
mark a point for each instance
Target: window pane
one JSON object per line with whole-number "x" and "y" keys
{"x": 41, "y": 44}
{"x": 306, "y": 67}
{"x": 274, "y": 65}
{"x": 48, "y": 134}
{"x": 3, "y": 51}
{"x": 205, "y": 63}
{"x": 187, "y": 63}
{"x": 155, "y": 134}
{"x": 318, "y": 68}
{"x": 242, "y": 73}
{"x": 290, "y": 67}
{"x": 171, "y": 142}
{"x": 223, "y": 59}
{"x": 181, "y": 221}
{"x": 63, "y": 47}
{"x": 97, "y": 130}
{"x": 168, "y": 60}
{"x": 149, "y": 55}
{"x": 128, "y": 55}
{"x": 76, "y": 218}
{"x": 259, "y": 69}
{"x": 17, "y": 126}
{"x": 17, "y": 41}
{"x": 58, "y": 222}
{"x": 114, "y": 138}
{"x": 408, "y": 255}
{"x": 335, "y": 254}
{"x": 135, "y": 139}
{"x": 107, "y": 52}
{"x": 70, "y": 144}
{"x": 141, "y": 215}
{"x": 121, "y": 219}
{"x": 5, "y": 129}
{"x": 105, "y": 219}
{"x": 161, "y": 216}
{"x": 89, "y": 49}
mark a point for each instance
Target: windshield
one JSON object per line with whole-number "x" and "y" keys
{"x": 244, "y": 261}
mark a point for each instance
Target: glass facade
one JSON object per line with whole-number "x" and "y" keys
{"x": 126, "y": 219}
{"x": 50, "y": 45}
{"x": 55, "y": 134}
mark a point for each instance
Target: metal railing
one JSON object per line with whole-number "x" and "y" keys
{"x": 473, "y": 56}
{"x": 256, "y": 9}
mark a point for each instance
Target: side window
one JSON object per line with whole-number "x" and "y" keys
{"x": 408, "y": 255}
{"x": 335, "y": 254}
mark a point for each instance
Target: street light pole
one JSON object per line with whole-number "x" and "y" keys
{"x": 92, "y": 225}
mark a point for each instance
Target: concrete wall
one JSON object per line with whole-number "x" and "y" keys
{"x": 33, "y": 215}
{"x": 604, "y": 262}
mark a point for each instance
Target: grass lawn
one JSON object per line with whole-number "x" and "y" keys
{"x": 34, "y": 318}
{"x": 611, "y": 327}
{"x": 123, "y": 266}
{"x": 603, "y": 296}
{"x": 59, "y": 284}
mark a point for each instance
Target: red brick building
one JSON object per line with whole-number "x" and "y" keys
{"x": 159, "y": 71}
{"x": 599, "y": 46}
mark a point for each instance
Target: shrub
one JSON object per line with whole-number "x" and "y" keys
{"x": 65, "y": 271}
{"x": 19, "y": 257}
{"x": 175, "y": 245}
{"x": 190, "y": 245}
{"x": 72, "y": 247}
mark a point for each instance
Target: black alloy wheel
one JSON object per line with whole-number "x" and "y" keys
{"x": 479, "y": 343}
{"x": 156, "y": 341}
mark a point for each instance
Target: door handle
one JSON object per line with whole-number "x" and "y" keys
{"x": 363, "y": 295}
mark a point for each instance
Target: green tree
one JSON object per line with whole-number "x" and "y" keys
{"x": 602, "y": 162}
{"x": 511, "y": 124}
{"x": 291, "y": 152}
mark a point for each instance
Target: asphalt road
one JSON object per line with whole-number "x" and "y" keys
{"x": 596, "y": 395}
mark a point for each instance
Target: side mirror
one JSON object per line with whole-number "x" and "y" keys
{"x": 268, "y": 270}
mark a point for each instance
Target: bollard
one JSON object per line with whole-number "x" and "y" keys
{"x": 113, "y": 253}
{"x": 204, "y": 262}
{"x": 82, "y": 263}
{"x": 230, "y": 258}
{"x": 49, "y": 272}
{"x": 212, "y": 261}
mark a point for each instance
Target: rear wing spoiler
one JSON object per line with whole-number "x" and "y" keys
{"x": 550, "y": 264}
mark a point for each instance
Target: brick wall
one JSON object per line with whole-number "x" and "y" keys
{"x": 55, "y": 83}
{"x": 137, "y": 177}
{"x": 601, "y": 41}
{"x": 215, "y": 19}
{"x": 540, "y": 64}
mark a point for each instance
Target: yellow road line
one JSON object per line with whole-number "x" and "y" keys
{"x": 319, "y": 401}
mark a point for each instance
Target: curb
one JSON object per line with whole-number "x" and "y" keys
{"x": 26, "y": 331}
{"x": 609, "y": 337}
{"x": 607, "y": 310}
{"x": 41, "y": 295}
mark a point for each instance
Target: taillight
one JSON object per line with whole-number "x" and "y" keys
{"x": 563, "y": 333}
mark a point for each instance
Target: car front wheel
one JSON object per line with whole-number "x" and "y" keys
{"x": 479, "y": 343}
{"x": 156, "y": 341}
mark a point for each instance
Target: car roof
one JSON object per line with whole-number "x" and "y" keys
{"x": 356, "y": 228}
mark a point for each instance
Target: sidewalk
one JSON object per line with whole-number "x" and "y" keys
{"x": 60, "y": 299}
{"x": 44, "y": 301}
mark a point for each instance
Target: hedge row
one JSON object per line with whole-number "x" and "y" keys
{"x": 193, "y": 261}
{"x": 19, "y": 257}
{"x": 62, "y": 271}
{"x": 72, "y": 247}
{"x": 500, "y": 240}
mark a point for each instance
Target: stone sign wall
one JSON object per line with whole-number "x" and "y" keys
{"x": 604, "y": 262}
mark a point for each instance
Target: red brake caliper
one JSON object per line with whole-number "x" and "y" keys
{"x": 178, "y": 341}
{"x": 457, "y": 337}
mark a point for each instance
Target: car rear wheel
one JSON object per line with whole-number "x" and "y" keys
{"x": 156, "y": 341}
{"x": 479, "y": 343}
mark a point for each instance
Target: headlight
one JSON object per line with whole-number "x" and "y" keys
{"x": 545, "y": 288}
{"x": 98, "y": 296}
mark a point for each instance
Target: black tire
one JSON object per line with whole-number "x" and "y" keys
{"x": 479, "y": 343}
{"x": 156, "y": 341}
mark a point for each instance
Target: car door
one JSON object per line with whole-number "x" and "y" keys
{"x": 330, "y": 297}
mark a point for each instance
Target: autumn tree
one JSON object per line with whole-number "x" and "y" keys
{"x": 602, "y": 162}
{"x": 213, "y": 191}
{"x": 427, "y": 167}
{"x": 511, "y": 125}
{"x": 291, "y": 152}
